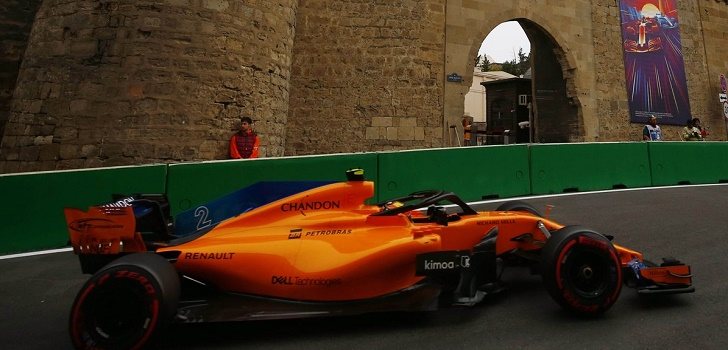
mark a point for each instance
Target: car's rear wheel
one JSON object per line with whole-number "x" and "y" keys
{"x": 125, "y": 303}
{"x": 581, "y": 270}
{"x": 518, "y": 206}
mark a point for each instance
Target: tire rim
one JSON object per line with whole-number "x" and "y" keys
{"x": 587, "y": 271}
{"x": 119, "y": 311}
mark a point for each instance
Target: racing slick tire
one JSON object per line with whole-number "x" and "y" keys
{"x": 581, "y": 270}
{"x": 518, "y": 206}
{"x": 125, "y": 303}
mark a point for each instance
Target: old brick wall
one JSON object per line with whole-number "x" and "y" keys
{"x": 125, "y": 82}
{"x": 697, "y": 36}
{"x": 612, "y": 109}
{"x": 116, "y": 82}
{"x": 16, "y": 20}
{"x": 714, "y": 21}
{"x": 696, "y": 70}
{"x": 367, "y": 76}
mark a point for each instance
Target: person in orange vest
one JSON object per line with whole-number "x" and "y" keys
{"x": 467, "y": 130}
{"x": 244, "y": 144}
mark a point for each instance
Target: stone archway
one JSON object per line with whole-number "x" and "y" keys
{"x": 563, "y": 65}
{"x": 555, "y": 102}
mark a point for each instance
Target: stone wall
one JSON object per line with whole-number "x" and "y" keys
{"x": 108, "y": 82}
{"x": 696, "y": 70}
{"x": 115, "y": 82}
{"x": 714, "y": 26}
{"x": 367, "y": 76}
{"x": 613, "y": 108}
{"x": 16, "y": 20}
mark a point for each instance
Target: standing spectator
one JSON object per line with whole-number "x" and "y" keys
{"x": 703, "y": 131}
{"x": 651, "y": 131}
{"x": 691, "y": 132}
{"x": 244, "y": 144}
{"x": 467, "y": 130}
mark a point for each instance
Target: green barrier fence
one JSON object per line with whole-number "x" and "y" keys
{"x": 676, "y": 163}
{"x": 192, "y": 184}
{"x": 32, "y": 208}
{"x": 474, "y": 173}
{"x": 557, "y": 168}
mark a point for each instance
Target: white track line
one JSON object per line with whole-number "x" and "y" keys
{"x": 593, "y": 192}
{"x": 43, "y": 252}
{"x": 63, "y": 250}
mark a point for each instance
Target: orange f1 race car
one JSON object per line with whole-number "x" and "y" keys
{"x": 324, "y": 251}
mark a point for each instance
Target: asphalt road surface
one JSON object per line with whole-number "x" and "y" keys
{"x": 689, "y": 223}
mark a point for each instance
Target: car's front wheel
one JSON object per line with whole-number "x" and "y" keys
{"x": 124, "y": 303}
{"x": 581, "y": 270}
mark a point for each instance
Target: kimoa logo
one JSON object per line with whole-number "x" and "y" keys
{"x": 316, "y": 205}
{"x": 439, "y": 265}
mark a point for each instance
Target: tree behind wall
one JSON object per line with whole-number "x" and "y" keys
{"x": 483, "y": 63}
{"x": 517, "y": 66}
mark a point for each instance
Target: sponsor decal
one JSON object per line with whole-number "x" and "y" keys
{"x": 496, "y": 222}
{"x": 287, "y": 280}
{"x": 83, "y": 225}
{"x": 442, "y": 262}
{"x": 654, "y": 272}
{"x": 124, "y": 202}
{"x": 209, "y": 256}
{"x": 295, "y": 233}
{"x": 305, "y": 281}
{"x": 328, "y": 232}
{"x": 143, "y": 280}
{"x": 115, "y": 211}
{"x": 439, "y": 265}
{"x": 317, "y": 205}
{"x": 667, "y": 273}
{"x": 598, "y": 244}
{"x": 465, "y": 261}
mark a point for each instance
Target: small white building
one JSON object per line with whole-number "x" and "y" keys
{"x": 475, "y": 98}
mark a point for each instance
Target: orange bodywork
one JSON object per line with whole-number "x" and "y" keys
{"x": 668, "y": 274}
{"x": 323, "y": 244}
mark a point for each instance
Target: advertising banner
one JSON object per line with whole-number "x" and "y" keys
{"x": 653, "y": 61}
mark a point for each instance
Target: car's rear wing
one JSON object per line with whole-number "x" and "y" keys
{"x": 103, "y": 230}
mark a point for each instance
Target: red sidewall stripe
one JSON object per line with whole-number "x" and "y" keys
{"x": 76, "y": 315}
{"x": 564, "y": 250}
{"x": 76, "y": 332}
{"x": 612, "y": 254}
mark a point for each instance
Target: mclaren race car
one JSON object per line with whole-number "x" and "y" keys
{"x": 309, "y": 249}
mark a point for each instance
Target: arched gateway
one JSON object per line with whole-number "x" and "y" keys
{"x": 562, "y": 106}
